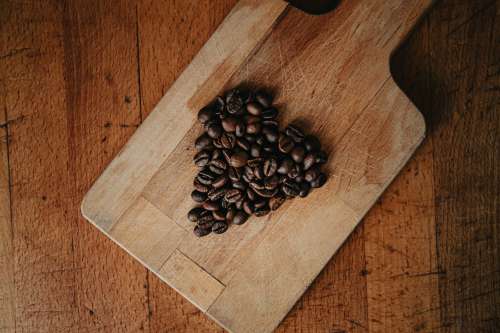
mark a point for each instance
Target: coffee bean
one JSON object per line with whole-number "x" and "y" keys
{"x": 203, "y": 142}
{"x": 194, "y": 214}
{"x": 216, "y": 170}
{"x": 248, "y": 172}
{"x": 219, "y": 215}
{"x": 219, "y": 164}
{"x": 295, "y": 133}
{"x": 319, "y": 181}
{"x": 216, "y": 154}
{"x": 228, "y": 140}
{"x": 239, "y": 204}
{"x": 218, "y": 143}
{"x": 258, "y": 172}
{"x": 205, "y": 114}
{"x": 290, "y": 188}
{"x": 285, "y": 166}
{"x": 254, "y": 109}
{"x": 271, "y": 183}
{"x": 263, "y": 98}
{"x": 269, "y": 114}
{"x": 200, "y": 232}
{"x": 234, "y": 102}
{"x": 227, "y": 155}
{"x": 219, "y": 182}
{"x": 295, "y": 171}
{"x": 206, "y": 177}
{"x": 245, "y": 178}
{"x": 218, "y": 104}
{"x": 250, "y": 138}
{"x": 214, "y": 130}
{"x": 200, "y": 187}
{"x": 243, "y": 144}
{"x": 216, "y": 194}
{"x": 249, "y": 119}
{"x": 255, "y": 162}
{"x": 255, "y": 150}
{"x": 219, "y": 227}
{"x": 298, "y": 153}
{"x": 304, "y": 189}
{"x": 309, "y": 160}
{"x": 239, "y": 159}
{"x": 234, "y": 174}
{"x": 240, "y": 129}
{"x": 260, "y": 140}
{"x": 282, "y": 178}
{"x": 266, "y": 193}
{"x": 270, "y": 166}
{"x": 233, "y": 195}
{"x": 268, "y": 148}
{"x": 260, "y": 203}
{"x": 198, "y": 196}
{"x": 321, "y": 157}
{"x": 276, "y": 201}
{"x": 224, "y": 204}
{"x": 240, "y": 185}
{"x": 251, "y": 194}
{"x": 211, "y": 205}
{"x": 248, "y": 207}
{"x": 271, "y": 133}
{"x": 257, "y": 185}
{"x": 311, "y": 143}
{"x": 285, "y": 144}
{"x": 254, "y": 128}
{"x": 299, "y": 178}
{"x": 311, "y": 174}
{"x": 231, "y": 212}
{"x": 240, "y": 217}
{"x": 229, "y": 124}
{"x": 262, "y": 211}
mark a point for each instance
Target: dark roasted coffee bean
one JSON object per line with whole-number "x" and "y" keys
{"x": 216, "y": 154}
{"x": 202, "y": 158}
{"x": 295, "y": 133}
{"x": 290, "y": 188}
{"x": 311, "y": 143}
{"x": 309, "y": 161}
{"x": 269, "y": 114}
{"x": 304, "y": 189}
{"x": 218, "y": 104}
{"x": 239, "y": 204}
{"x": 214, "y": 130}
{"x": 245, "y": 178}
{"x": 240, "y": 129}
{"x": 255, "y": 162}
{"x": 251, "y": 194}
{"x": 243, "y": 144}
{"x": 224, "y": 204}
{"x": 257, "y": 185}
{"x": 194, "y": 214}
{"x": 234, "y": 174}
{"x": 268, "y": 148}
{"x": 240, "y": 185}
{"x": 271, "y": 183}
{"x": 298, "y": 153}
{"x": 218, "y": 143}
{"x": 231, "y": 212}
{"x": 206, "y": 177}
{"x": 254, "y": 128}
{"x": 271, "y": 133}
{"x": 228, "y": 140}
{"x": 239, "y": 159}
{"x": 219, "y": 215}
{"x": 255, "y": 109}
{"x": 219, "y": 227}
{"x": 219, "y": 182}
{"x": 234, "y": 101}
{"x": 200, "y": 187}
{"x": 260, "y": 203}
{"x": 312, "y": 174}
{"x": 203, "y": 142}
{"x": 321, "y": 157}
{"x": 233, "y": 195}
{"x": 270, "y": 166}
{"x": 205, "y": 114}
{"x": 263, "y": 98}
{"x": 250, "y": 138}
{"x": 295, "y": 171}
{"x": 211, "y": 205}
{"x": 282, "y": 178}
{"x": 319, "y": 181}
{"x": 271, "y": 123}
{"x": 262, "y": 211}
{"x": 216, "y": 170}
{"x": 219, "y": 164}
{"x": 198, "y": 196}
{"x": 276, "y": 201}
{"x": 248, "y": 172}
{"x": 255, "y": 150}
{"x": 248, "y": 207}
{"x": 266, "y": 193}
{"x": 285, "y": 166}
{"x": 285, "y": 144}
{"x": 249, "y": 119}
{"x": 200, "y": 232}
{"x": 229, "y": 124}
{"x": 227, "y": 155}
{"x": 260, "y": 139}
{"x": 299, "y": 178}
{"x": 258, "y": 172}
{"x": 240, "y": 217}
{"x": 216, "y": 194}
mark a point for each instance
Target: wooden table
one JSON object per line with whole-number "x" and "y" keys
{"x": 78, "y": 77}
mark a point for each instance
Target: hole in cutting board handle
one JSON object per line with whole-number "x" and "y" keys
{"x": 315, "y": 7}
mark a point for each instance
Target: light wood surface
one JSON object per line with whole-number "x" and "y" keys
{"x": 115, "y": 60}
{"x": 347, "y": 97}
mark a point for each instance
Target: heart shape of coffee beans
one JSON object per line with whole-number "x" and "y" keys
{"x": 247, "y": 165}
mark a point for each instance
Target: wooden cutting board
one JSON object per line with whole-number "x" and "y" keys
{"x": 331, "y": 73}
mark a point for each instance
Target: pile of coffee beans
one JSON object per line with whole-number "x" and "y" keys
{"x": 247, "y": 165}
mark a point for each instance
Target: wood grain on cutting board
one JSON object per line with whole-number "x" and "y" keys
{"x": 332, "y": 75}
